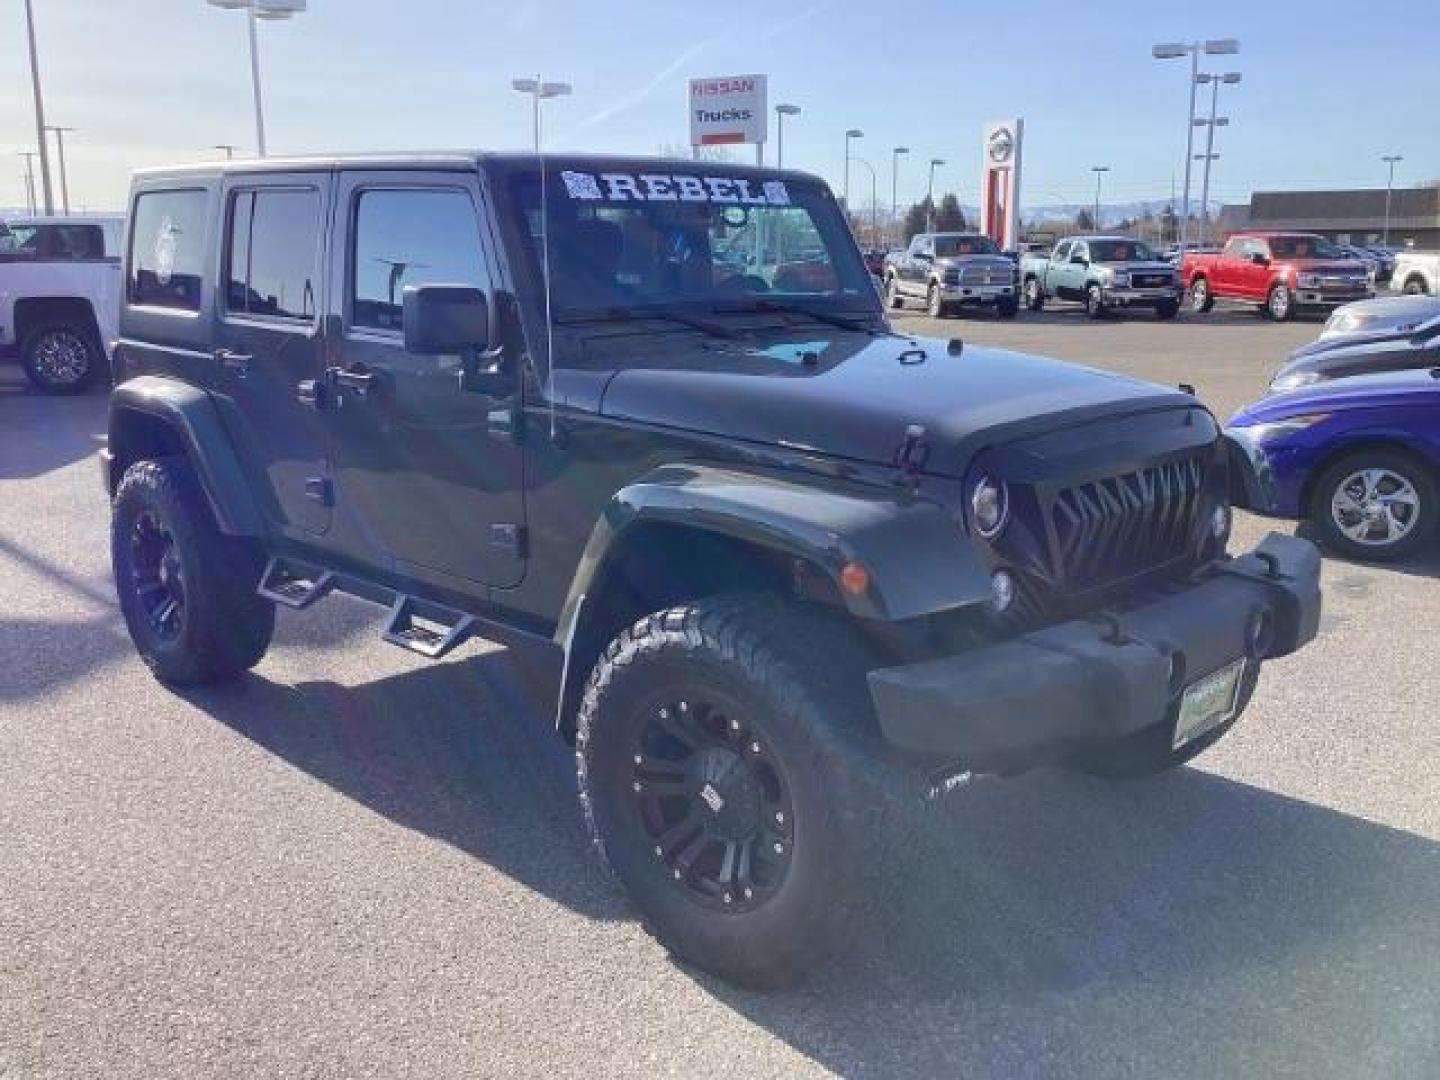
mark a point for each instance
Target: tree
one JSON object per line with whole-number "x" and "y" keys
{"x": 950, "y": 218}
{"x": 1170, "y": 223}
{"x": 1084, "y": 222}
{"x": 917, "y": 218}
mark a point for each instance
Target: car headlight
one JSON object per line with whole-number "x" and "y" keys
{"x": 1106, "y": 276}
{"x": 989, "y": 506}
{"x": 1309, "y": 281}
{"x": 1294, "y": 380}
{"x": 1277, "y": 429}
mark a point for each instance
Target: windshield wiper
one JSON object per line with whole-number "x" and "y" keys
{"x": 620, "y": 314}
{"x": 856, "y": 321}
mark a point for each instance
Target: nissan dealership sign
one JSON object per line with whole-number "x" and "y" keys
{"x": 728, "y": 110}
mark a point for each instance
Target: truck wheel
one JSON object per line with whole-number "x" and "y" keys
{"x": 1280, "y": 303}
{"x": 1007, "y": 307}
{"x": 1094, "y": 302}
{"x": 1200, "y": 299}
{"x": 892, "y": 293}
{"x": 187, "y": 590}
{"x": 731, "y": 777}
{"x": 1415, "y": 286}
{"x": 1034, "y": 296}
{"x": 60, "y": 357}
{"x": 1375, "y": 504}
{"x": 936, "y": 307}
{"x": 1167, "y": 309}
{"x": 1149, "y": 753}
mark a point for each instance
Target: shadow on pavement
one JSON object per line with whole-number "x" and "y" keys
{"x": 39, "y": 434}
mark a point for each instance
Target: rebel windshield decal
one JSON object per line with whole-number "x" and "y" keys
{"x": 674, "y": 187}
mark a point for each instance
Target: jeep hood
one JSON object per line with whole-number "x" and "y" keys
{"x": 856, "y": 396}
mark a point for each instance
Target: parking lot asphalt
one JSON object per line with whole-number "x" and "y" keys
{"x": 354, "y": 863}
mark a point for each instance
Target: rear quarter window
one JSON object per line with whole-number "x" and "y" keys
{"x": 167, "y": 250}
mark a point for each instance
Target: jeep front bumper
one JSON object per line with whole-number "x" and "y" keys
{"x": 1034, "y": 697}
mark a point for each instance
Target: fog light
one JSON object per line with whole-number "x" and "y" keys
{"x": 989, "y": 503}
{"x": 1002, "y": 585}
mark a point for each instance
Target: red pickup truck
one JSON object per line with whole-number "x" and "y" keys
{"x": 1280, "y": 272}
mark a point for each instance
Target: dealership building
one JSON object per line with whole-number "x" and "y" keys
{"x": 1356, "y": 216}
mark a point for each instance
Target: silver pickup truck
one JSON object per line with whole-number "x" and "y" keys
{"x": 1103, "y": 273}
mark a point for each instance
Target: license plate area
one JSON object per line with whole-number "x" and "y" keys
{"x": 1207, "y": 703}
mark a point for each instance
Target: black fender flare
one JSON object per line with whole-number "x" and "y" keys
{"x": 917, "y": 556}
{"x": 192, "y": 421}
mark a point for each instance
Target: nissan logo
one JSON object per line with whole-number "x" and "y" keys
{"x": 1002, "y": 144}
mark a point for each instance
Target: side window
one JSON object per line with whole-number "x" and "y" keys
{"x": 1235, "y": 248}
{"x": 1077, "y": 248}
{"x": 167, "y": 250}
{"x": 1061, "y": 252}
{"x": 410, "y": 238}
{"x": 274, "y": 253}
{"x": 75, "y": 241}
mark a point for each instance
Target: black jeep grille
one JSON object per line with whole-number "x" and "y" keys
{"x": 1115, "y": 528}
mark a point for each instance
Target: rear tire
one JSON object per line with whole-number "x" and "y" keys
{"x": 1343, "y": 486}
{"x": 61, "y": 358}
{"x": 1415, "y": 286}
{"x": 1201, "y": 301}
{"x": 745, "y": 719}
{"x": 187, "y": 590}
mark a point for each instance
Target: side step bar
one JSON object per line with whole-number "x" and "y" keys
{"x": 293, "y": 584}
{"x": 427, "y": 629}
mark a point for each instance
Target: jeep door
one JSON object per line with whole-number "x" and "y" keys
{"x": 429, "y": 474}
{"x": 269, "y": 340}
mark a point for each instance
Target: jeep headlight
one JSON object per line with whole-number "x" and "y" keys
{"x": 989, "y": 506}
{"x": 1309, "y": 281}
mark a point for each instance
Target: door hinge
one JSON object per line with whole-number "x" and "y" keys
{"x": 510, "y": 538}
{"x": 320, "y": 489}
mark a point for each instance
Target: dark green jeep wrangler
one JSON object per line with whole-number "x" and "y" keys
{"x": 797, "y": 574}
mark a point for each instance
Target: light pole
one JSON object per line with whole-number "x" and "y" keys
{"x": 895, "y": 184}
{"x": 39, "y": 110}
{"x": 1230, "y": 78}
{"x": 853, "y": 133}
{"x": 229, "y": 149}
{"x": 538, "y": 91}
{"x": 782, "y": 111}
{"x": 1389, "y": 159}
{"x": 1173, "y": 51}
{"x": 60, "y": 153}
{"x": 29, "y": 174}
{"x": 1099, "y": 171}
{"x": 271, "y": 11}
{"x": 930, "y": 195}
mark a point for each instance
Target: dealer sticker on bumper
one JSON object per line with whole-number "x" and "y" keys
{"x": 1208, "y": 703}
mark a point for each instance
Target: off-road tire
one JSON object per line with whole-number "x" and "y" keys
{"x": 1007, "y": 307}
{"x": 797, "y": 672}
{"x": 935, "y": 307}
{"x": 1094, "y": 303}
{"x": 224, "y": 628}
{"x": 1422, "y": 479}
{"x": 893, "y": 299}
{"x": 1167, "y": 309}
{"x": 1034, "y": 295}
{"x": 1148, "y": 752}
{"x": 75, "y": 340}
{"x": 1280, "y": 303}
{"x": 1202, "y": 300}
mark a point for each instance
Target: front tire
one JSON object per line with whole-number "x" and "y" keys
{"x": 187, "y": 590}
{"x": 1415, "y": 286}
{"x": 892, "y": 294}
{"x": 61, "y": 358}
{"x": 1094, "y": 302}
{"x": 935, "y": 306}
{"x": 732, "y": 779}
{"x": 1280, "y": 302}
{"x": 1375, "y": 505}
{"x": 1201, "y": 300}
{"x": 1034, "y": 295}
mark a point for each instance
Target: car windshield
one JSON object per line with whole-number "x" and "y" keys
{"x": 1303, "y": 247}
{"x": 947, "y": 246}
{"x": 1121, "y": 251}
{"x": 701, "y": 240}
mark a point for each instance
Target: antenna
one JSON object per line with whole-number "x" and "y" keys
{"x": 545, "y": 278}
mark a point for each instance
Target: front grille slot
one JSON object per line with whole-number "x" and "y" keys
{"x": 1120, "y": 526}
{"x": 1151, "y": 281}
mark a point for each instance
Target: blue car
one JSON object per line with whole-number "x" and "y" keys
{"x": 1358, "y": 457}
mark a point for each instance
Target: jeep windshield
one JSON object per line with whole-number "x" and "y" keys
{"x": 674, "y": 244}
{"x": 1121, "y": 251}
{"x": 947, "y": 247}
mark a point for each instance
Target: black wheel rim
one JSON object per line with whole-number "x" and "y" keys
{"x": 156, "y": 576}
{"x": 711, "y": 797}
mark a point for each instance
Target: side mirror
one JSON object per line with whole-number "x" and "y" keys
{"x": 1259, "y": 258}
{"x": 449, "y": 319}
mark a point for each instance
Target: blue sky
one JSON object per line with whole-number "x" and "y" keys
{"x": 1325, "y": 90}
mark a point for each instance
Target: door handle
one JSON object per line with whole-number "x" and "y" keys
{"x": 314, "y": 393}
{"x": 239, "y": 363}
{"x": 356, "y": 378}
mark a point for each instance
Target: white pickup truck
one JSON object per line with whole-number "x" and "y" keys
{"x": 1417, "y": 272}
{"x": 60, "y": 297}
